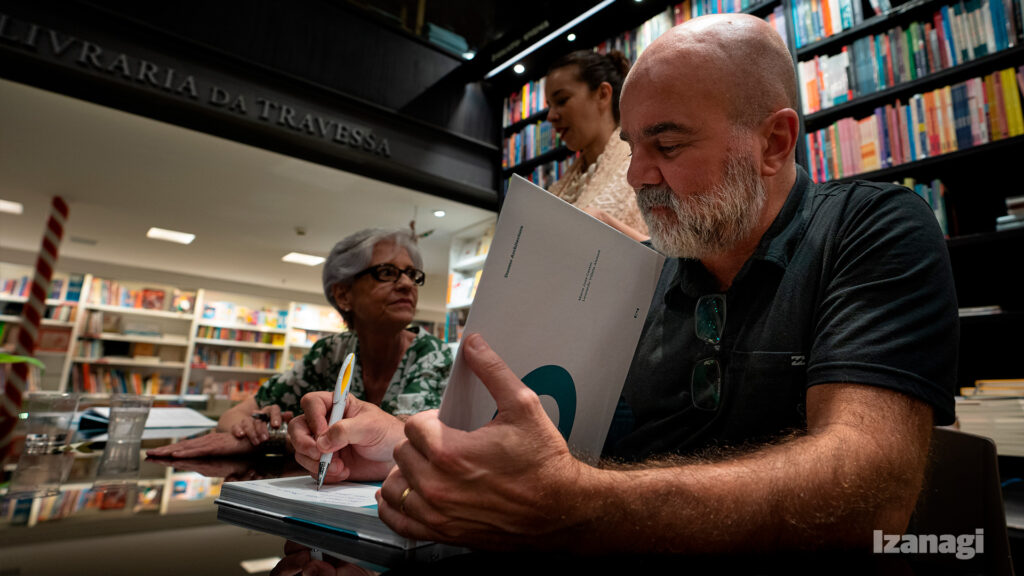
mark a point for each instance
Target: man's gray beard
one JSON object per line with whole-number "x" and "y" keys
{"x": 710, "y": 221}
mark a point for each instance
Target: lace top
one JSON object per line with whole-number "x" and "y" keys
{"x": 603, "y": 185}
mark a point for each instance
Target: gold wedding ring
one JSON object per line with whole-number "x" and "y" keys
{"x": 401, "y": 501}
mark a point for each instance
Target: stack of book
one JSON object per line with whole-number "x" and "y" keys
{"x": 346, "y": 507}
{"x": 1014, "y": 214}
{"x": 994, "y": 408}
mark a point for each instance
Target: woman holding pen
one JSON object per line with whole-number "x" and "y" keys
{"x": 372, "y": 278}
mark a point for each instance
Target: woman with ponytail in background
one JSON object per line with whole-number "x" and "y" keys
{"x": 582, "y": 91}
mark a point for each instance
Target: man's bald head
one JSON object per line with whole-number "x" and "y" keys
{"x": 736, "y": 57}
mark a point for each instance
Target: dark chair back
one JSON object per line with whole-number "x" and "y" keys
{"x": 962, "y": 493}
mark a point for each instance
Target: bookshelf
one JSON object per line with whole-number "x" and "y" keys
{"x": 56, "y": 326}
{"x": 309, "y": 323}
{"x": 941, "y": 83}
{"x": 192, "y": 345}
{"x": 130, "y": 337}
{"x": 466, "y": 257}
{"x": 238, "y": 342}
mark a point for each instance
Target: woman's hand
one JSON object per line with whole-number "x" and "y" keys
{"x": 256, "y": 429}
{"x": 212, "y": 444}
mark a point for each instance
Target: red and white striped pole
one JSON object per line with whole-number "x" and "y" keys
{"x": 31, "y": 317}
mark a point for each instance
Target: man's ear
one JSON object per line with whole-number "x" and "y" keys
{"x": 342, "y": 296}
{"x": 779, "y": 132}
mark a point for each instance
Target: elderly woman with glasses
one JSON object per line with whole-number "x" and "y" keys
{"x": 372, "y": 278}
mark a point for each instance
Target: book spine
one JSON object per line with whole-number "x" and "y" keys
{"x": 947, "y": 28}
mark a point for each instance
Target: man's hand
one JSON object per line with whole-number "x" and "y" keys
{"x": 363, "y": 441}
{"x": 212, "y": 444}
{"x": 502, "y": 485}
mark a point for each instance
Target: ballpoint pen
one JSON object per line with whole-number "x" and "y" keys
{"x": 337, "y": 411}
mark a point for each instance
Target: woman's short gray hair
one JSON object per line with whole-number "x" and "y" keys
{"x": 354, "y": 253}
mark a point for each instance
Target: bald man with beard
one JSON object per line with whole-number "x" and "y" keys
{"x": 800, "y": 347}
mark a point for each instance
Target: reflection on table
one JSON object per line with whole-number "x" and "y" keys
{"x": 167, "y": 508}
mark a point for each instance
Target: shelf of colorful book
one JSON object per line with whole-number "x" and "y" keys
{"x": 533, "y": 118}
{"x": 140, "y": 312}
{"x": 249, "y": 327}
{"x": 238, "y": 344}
{"x": 104, "y": 379}
{"x": 934, "y": 124}
{"x": 232, "y": 369}
{"x": 959, "y": 157}
{"x": 966, "y": 15}
{"x": 168, "y": 340}
{"x": 528, "y": 165}
{"x": 129, "y": 363}
{"x": 853, "y": 104}
{"x": 8, "y": 319}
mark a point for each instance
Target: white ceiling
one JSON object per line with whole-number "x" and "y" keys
{"x": 122, "y": 174}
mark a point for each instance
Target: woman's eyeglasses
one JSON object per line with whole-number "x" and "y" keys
{"x": 708, "y": 325}
{"x": 391, "y": 273}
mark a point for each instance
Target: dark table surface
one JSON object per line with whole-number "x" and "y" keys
{"x": 167, "y": 523}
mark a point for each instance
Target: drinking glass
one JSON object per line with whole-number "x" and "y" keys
{"x": 45, "y": 459}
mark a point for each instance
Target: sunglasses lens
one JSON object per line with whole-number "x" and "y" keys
{"x": 706, "y": 384}
{"x": 710, "y": 318}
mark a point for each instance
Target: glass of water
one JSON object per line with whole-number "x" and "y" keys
{"x": 119, "y": 464}
{"x": 45, "y": 461}
{"x": 128, "y": 414}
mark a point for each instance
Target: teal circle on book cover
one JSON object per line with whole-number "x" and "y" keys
{"x": 556, "y": 382}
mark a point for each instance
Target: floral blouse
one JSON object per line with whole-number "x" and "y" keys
{"x": 417, "y": 385}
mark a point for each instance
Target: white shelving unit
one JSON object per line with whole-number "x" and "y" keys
{"x": 308, "y": 323}
{"x": 238, "y": 339}
{"x": 55, "y": 333}
{"x": 187, "y": 336}
{"x": 163, "y": 333}
{"x": 466, "y": 257}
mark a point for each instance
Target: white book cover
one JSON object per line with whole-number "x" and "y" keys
{"x": 562, "y": 300}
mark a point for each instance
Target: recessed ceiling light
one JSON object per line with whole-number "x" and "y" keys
{"x": 519, "y": 68}
{"x": 469, "y": 55}
{"x": 11, "y": 207}
{"x": 571, "y": 37}
{"x": 300, "y": 258}
{"x": 170, "y": 235}
{"x": 439, "y": 213}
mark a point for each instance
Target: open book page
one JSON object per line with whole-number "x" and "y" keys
{"x": 303, "y": 489}
{"x": 562, "y": 300}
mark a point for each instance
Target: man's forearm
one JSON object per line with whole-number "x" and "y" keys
{"x": 828, "y": 489}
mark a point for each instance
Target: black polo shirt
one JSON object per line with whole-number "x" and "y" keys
{"x": 851, "y": 283}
